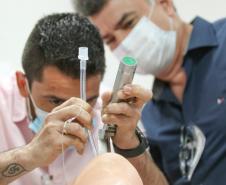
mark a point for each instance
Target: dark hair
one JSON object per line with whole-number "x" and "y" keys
{"x": 55, "y": 40}
{"x": 89, "y": 7}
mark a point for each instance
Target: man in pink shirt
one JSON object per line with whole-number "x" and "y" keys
{"x": 29, "y": 136}
{"x": 35, "y": 107}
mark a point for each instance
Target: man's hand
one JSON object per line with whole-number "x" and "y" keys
{"x": 125, "y": 114}
{"x": 47, "y": 145}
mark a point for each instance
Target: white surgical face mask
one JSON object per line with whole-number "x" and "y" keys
{"x": 37, "y": 123}
{"x": 151, "y": 46}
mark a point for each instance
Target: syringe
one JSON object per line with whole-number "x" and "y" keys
{"x": 83, "y": 57}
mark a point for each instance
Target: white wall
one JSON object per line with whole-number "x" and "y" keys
{"x": 17, "y": 17}
{"x": 209, "y": 9}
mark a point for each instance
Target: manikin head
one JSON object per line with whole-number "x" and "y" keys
{"x": 109, "y": 169}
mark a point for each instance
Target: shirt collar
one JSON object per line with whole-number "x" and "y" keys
{"x": 162, "y": 92}
{"x": 203, "y": 36}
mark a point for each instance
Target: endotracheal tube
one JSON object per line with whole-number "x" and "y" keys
{"x": 83, "y": 57}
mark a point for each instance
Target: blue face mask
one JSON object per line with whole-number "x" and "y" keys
{"x": 37, "y": 123}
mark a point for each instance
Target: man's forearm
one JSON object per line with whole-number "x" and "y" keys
{"x": 149, "y": 172}
{"x": 14, "y": 163}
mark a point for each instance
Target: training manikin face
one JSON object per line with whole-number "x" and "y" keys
{"x": 109, "y": 169}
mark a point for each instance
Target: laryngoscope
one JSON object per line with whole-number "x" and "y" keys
{"x": 125, "y": 74}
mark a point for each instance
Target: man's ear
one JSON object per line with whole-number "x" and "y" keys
{"x": 21, "y": 83}
{"x": 168, "y": 6}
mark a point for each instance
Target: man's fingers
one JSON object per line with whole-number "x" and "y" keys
{"x": 76, "y": 130}
{"x": 74, "y": 101}
{"x": 111, "y": 118}
{"x": 69, "y": 140}
{"x": 66, "y": 133}
{"x": 121, "y": 108}
{"x": 106, "y": 98}
{"x": 72, "y": 111}
{"x": 137, "y": 92}
{"x": 132, "y": 90}
{"x": 119, "y": 120}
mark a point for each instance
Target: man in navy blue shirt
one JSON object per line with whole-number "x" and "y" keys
{"x": 203, "y": 105}
{"x": 185, "y": 120}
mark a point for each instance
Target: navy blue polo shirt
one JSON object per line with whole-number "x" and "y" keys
{"x": 204, "y": 105}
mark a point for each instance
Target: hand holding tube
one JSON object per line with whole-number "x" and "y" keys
{"x": 46, "y": 146}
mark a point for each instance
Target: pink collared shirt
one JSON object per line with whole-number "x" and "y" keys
{"x": 14, "y": 132}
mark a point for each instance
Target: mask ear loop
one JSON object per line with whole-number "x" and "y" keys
{"x": 152, "y": 9}
{"x": 171, "y": 24}
{"x": 153, "y": 3}
{"x": 64, "y": 131}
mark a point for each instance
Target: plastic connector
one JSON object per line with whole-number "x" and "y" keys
{"x": 83, "y": 53}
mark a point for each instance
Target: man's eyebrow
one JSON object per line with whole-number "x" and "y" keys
{"x": 54, "y": 97}
{"x": 63, "y": 99}
{"x": 124, "y": 18}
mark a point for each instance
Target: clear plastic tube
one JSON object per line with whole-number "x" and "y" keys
{"x": 83, "y": 80}
{"x": 83, "y": 97}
